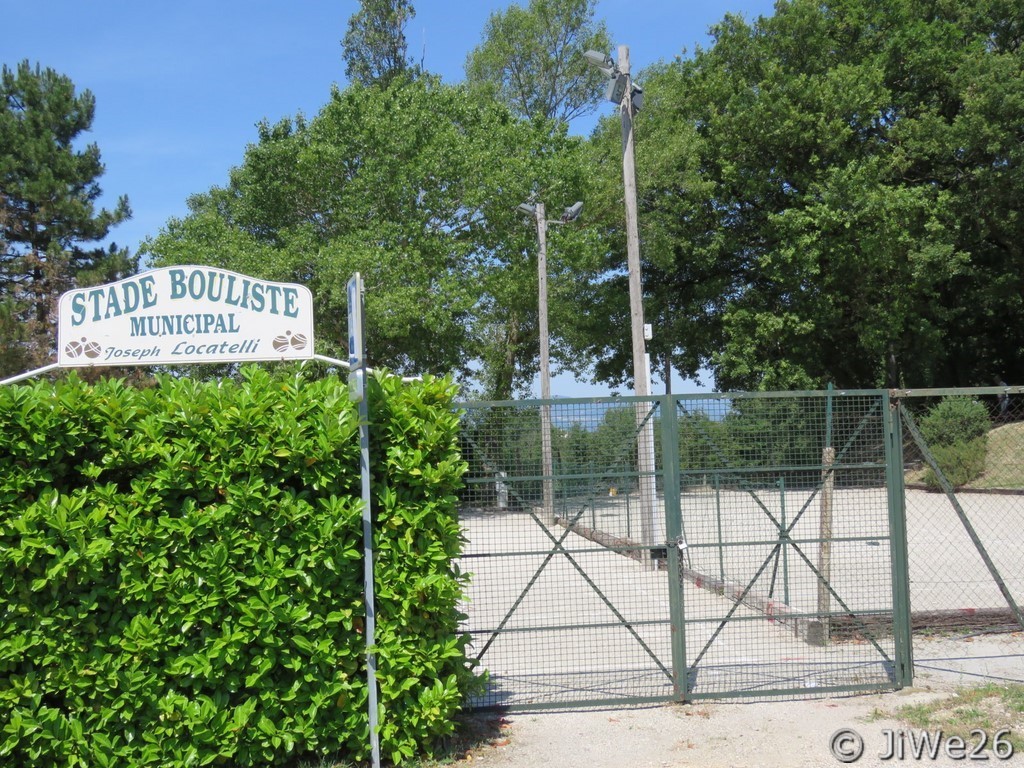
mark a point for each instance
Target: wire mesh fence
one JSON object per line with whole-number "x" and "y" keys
{"x": 558, "y": 617}
{"x": 785, "y": 512}
{"x": 963, "y": 460}
{"x": 773, "y": 519}
{"x": 737, "y": 545}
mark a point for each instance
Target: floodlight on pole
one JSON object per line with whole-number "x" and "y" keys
{"x": 637, "y": 96}
{"x": 623, "y": 92}
{"x": 619, "y": 81}
{"x": 572, "y": 212}
{"x": 616, "y": 89}
{"x": 536, "y": 210}
{"x": 600, "y": 60}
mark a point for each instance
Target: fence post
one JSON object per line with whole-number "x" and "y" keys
{"x": 898, "y": 549}
{"x": 718, "y": 515}
{"x": 784, "y": 539}
{"x": 674, "y": 542}
{"x": 828, "y": 459}
{"x": 645, "y": 476}
{"x": 547, "y": 463}
{"x": 629, "y": 518}
{"x": 501, "y": 489}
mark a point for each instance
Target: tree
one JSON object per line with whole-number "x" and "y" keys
{"x": 532, "y": 58}
{"x": 846, "y": 177}
{"x": 532, "y": 61}
{"x": 374, "y": 45}
{"x": 415, "y": 185}
{"x": 48, "y": 215}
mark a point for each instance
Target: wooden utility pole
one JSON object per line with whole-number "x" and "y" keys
{"x": 641, "y": 369}
{"x": 545, "y": 364}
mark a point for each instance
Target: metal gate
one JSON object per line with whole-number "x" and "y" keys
{"x": 794, "y": 559}
{"x": 565, "y": 606}
{"x": 628, "y": 550}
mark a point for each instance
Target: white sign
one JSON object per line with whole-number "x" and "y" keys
{"x": 184, "y": 314}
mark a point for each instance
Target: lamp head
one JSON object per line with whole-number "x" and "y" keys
{"x": 527, "y": 208}
{"x": 572, "y": 212}
{"x": 616, "y": 89}
{"x": 602, "y": 61}
{"x": 638, "y": 97}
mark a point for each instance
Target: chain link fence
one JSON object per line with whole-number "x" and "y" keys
{"x": 963, "y": 460}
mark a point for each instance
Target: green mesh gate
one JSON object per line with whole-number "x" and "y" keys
{"x": 565, "y": 603}
{"x": 794, "y": 556}
{"x": 630, "y": 550}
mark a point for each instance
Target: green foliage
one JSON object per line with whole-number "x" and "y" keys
{"x": 505, "y": 438}
{"x": 766, "y": 436}
{"x": 955, "y": 420}
{"x": 375, "y": 45}
{"x": 603, "y": 455}
{"x": 993, "y": 708}
{"x": 181, "y": 571}
{"x": 776, "y": 440}
{"x": 960, "y": 462}
{"x": 531, "y": 58}
{"x": 47, "y": 210}
{"x": 956, "y": 431}
{"x": 830, "y": 193}
{"x": 415, "y": 185}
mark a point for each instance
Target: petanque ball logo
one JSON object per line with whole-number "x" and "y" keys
{"x": 75, "y": 349}
{"x": 288, "y": 340}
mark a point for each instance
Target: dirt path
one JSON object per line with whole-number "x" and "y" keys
{"x": 778, "y": 734}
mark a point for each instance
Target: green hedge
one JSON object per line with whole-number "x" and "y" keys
{"x": 182, "y": 577}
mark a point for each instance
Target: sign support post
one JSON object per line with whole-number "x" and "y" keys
{"x": 357, "y": 392}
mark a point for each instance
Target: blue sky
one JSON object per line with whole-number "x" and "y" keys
{"x": 180, "y": 86}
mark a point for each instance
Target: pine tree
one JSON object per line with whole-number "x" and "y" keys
{"x": 50, "y": 229}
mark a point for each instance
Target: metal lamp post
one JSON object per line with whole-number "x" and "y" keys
{"x": 536, "y": 210}
{"x": 622, "y": 91}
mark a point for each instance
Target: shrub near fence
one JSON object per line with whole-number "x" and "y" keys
{"x": 181, "y": 571}
{"x": 956, "y": 430}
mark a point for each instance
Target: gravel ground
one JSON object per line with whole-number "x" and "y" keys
{"x": 776, "y": 734}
